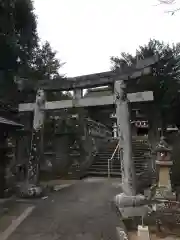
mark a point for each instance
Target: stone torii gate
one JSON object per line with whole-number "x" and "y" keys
{"x": 77, "y": 84}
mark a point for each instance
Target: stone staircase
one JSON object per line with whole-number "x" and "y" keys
{"x": 141, "y": 156}
{"x": 99, "y": 167}
{"x": 144, "y": 167}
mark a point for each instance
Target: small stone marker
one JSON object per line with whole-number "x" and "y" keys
{"x": 143, "y": 233}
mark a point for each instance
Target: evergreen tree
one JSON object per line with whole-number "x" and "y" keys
{"x": 18, "y": 37}
{"x": 163, "y": 81}
{"x": 45, "y": 65}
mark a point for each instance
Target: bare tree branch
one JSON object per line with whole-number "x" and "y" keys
{"x": 169, "y": 2}
{"x": 172, "y": 11}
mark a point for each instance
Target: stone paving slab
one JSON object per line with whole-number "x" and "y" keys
{"x": 81, "y": 211}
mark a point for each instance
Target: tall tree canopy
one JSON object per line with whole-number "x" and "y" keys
{"x": 164, "y": 79}
{"x": 22, "y": 55}
{"x": 45, "y": 64}
{"x": 18, "y": 37}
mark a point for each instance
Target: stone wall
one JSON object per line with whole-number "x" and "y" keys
{"x": 68, "y": 149}
{"x": 60, "y": 135}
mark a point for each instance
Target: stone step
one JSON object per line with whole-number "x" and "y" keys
{"x": 137, "y": 165}
{"x": 104, "y": 173}
{"x": 135, "y": 154}
{"x": 104, "y": 168}
{"x": 101, "y": 155}
{"x": 135, "y": 158}
{"x": 105, "y": 161}
{"x": 100, "y": 164}
{"x": 105, "y": 158}
{"x": 114, "y": 168}
{"x": 99, "y": 168}
{"x": 101, "y": 160}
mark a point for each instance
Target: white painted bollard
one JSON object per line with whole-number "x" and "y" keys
{"x": 115, "y": 131}
{"x": 143, "y": 233}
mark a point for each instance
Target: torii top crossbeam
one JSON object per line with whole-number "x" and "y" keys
{"x": 92, "y": 80}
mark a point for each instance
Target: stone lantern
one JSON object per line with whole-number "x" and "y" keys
{"x": 163, "y": 166}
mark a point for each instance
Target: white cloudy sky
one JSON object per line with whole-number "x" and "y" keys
{"x": 87, "y": 32}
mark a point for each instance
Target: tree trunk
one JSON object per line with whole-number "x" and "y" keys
{"x": 153, "y": 118}
{"x": 163, "y": 124}
{"x": 2, "y": 179}
{"x": 2, "y": 163}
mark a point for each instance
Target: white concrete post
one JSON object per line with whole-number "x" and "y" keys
{"x": 115, "y": 132}
{"x": 125, "y": 139}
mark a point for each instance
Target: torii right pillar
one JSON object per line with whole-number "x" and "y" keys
{"x": 125, "y": 139}
{"x": 128, "y": 201}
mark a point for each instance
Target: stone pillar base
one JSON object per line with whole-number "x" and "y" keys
{"x": 143, "y": 233}
{"x": 27, "y": 190}
{"x": 165, "y": 193}
{"x": 131, "y": 206}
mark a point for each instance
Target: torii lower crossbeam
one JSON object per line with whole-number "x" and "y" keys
{"x": 87, "y": 102}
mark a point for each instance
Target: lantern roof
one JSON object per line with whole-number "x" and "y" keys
{"x": 163, "y": 146}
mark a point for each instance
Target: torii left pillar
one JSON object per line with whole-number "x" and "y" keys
{"x": 31, "y": 187}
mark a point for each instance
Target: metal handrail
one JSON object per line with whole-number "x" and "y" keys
{"x": 110, "y": 159}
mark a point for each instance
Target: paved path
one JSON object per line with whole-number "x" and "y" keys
{"x": 82, "y": 211}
